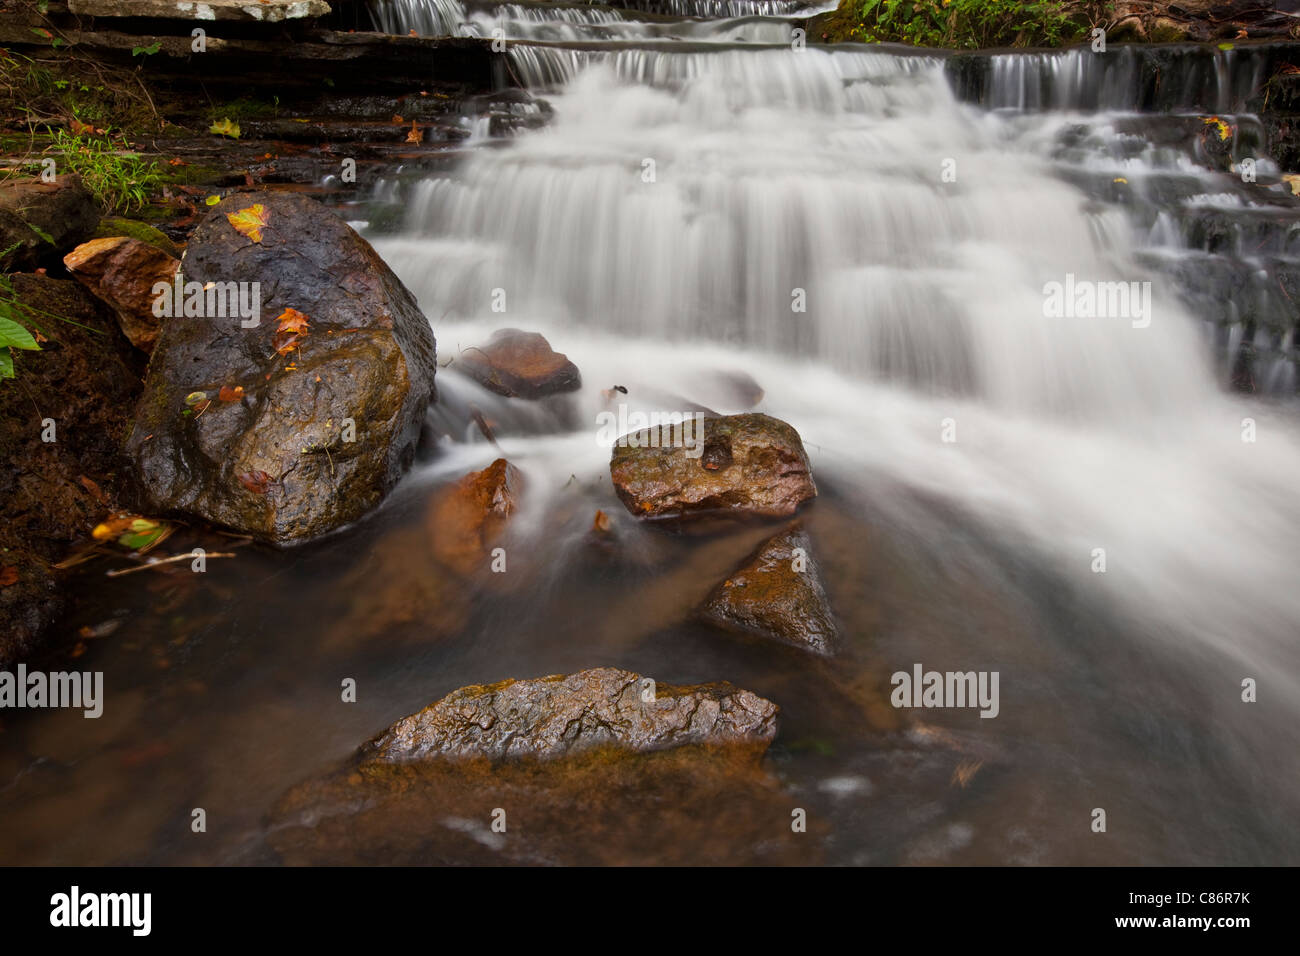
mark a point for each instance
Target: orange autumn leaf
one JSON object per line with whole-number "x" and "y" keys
{"x": 258, "y": 482}
{"x": 8, "y": 576}
{"x": 229, "y": 394}
{"x": 249, "y": 222}
{"x": 414, "y": 134}
{"x": 290, "y": 327}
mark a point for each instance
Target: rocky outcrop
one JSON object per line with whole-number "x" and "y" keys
{"x": 749, "y": 464}
{"x": 122, "y": 273}
{"x": 469, "y": 516}
{"x": 40, "y": 221}
{"x": 248, "y": 11}
{"x": 560, "y": 715}
{"x": 520, "y": 365}
{"x": 64, "y": 469}
{"x": 288, "y": 399}
{"x": 776, "y": 594}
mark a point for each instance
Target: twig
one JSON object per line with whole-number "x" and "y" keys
{"x": 188, "y": 556}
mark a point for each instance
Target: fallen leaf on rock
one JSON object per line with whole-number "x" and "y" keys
{"x": 414, "y": 134}
{"x": 225, "y": 127}
{"x": 1292, "y": 180}
{"x": 258, "y": 482}
{"x": 229, "y": 394}
{"x": 8, "y": 576}
{"x": 290, "y": 328}
{"x": 249, "y": 222}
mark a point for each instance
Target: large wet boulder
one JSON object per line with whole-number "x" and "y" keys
{"x": 520, "y": 365}
{"x": 62, "y": 423}
{"x": 287, "y": 423}
{"x": 40, "y": 221}
{"x": 122, "y": 272}
{"x": 742, "y": 464}
{"x": 776, "y": 594}
{"x": 560, "y": 715}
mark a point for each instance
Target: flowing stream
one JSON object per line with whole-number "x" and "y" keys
{"x": 712, "y": 197}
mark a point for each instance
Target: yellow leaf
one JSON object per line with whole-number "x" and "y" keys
{"x": 249, "y": 222}
{"x": 1293, "y": 180}
{"x": 1120, "y": 179}
{"x": 225, "y": 127}
{"x": 211, "y": 200}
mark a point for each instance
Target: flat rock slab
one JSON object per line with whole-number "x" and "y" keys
{"x": 776, "y": 594}
{"x": 742, "y": 464}
{"x": 560, "y": 715}
{"x": 266, "y": 11}
{"x": 520, "y": 365}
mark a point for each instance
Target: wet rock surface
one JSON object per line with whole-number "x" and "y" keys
{"x": 40, "y": 221}
{"x": 520, "y": 365}
{"x": 776, "y": 594}
{"x": 748, "y": 464}
{"x": 690, "y": 805}
{"x": 554, "y": 716}
{"x": 263, "y": 447}
{"x": 84, "y": 380}
{"x": 122, "y": 272}
{"x": 468, "y": 517}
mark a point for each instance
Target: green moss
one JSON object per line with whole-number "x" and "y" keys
{"x": 116, "y": 226}
{"x": 955, "y": 24}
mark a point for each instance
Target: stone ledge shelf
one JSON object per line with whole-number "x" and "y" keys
{"x": 266, "y": 11}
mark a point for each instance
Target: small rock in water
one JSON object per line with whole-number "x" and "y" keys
{"x": 520, "y": 365}
{"x": 776, "y": 594}
{"x": 742, "y": 464}
{"x": 122, "y": 272}
{"x": 468, "y": 517}
{"x": 560, "y": 715}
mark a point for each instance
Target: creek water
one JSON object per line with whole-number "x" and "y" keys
{"x": 840, "y": 224}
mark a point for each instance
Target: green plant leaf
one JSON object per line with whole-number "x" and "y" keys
{"x": 15, "y": 336}
{"x": 6, "y": 364}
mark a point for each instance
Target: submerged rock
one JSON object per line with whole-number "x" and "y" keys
{"x": 122, "y": 272}
{"x": 520, "y": 365}
{"x": 777, "y": 594}
{"x": 40, "y": 221}
{"x": 290, "y": 420}
{"x": 554, "y": 716}
{"x": 466, "y": 518}
{"x": 687, "y": 806}
{"x": 743, "y": 464}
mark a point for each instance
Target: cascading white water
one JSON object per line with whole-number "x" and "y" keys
{"x": 875, "y": 253}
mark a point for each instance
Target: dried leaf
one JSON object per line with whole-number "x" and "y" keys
{"x": 249, "y": 222}
{"x": 414, "y": 134}
{"x": 229, "y": 394}
{"x": 8, "y": 576}
{"x": 290, "y": 328}
{"x": 258, "y": 482}
{"x": 225, "y": 127}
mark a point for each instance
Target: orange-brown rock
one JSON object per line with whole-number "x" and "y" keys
{"x": 122, "y": 272}
{"x": 520, "y": 365}
{"x": 468, "y": 517}
{"x": 749, "y": 464}
{"x": 776, "y": 594}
